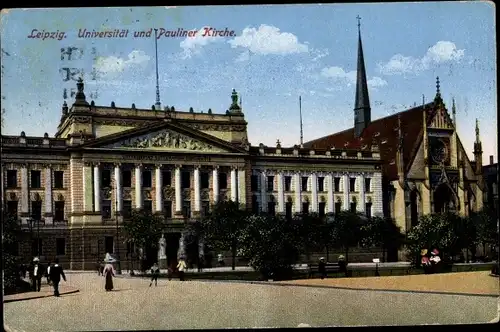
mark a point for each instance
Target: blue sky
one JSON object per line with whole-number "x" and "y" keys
{"x": 278, "y": 53}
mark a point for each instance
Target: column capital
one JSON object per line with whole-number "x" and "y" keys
{"x": 138, "y": 165}
{"x": 216, "y": 167}
{"x": 117, "y": 165}
{"x": 197, "y": 167}
{"x": 178, "y": 166}
{"x": 96, "y": 164}
{"x": 47, "y": 166}
{"x": 158, "y": 166}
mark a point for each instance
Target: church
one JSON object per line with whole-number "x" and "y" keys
{"x": 425, "y": 168}
{"x": 72, "y": 192}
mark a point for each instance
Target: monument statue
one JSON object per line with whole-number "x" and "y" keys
{"x": 162, "y": 247}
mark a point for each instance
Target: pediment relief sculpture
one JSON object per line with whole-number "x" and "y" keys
{"x": 167, "y": 139}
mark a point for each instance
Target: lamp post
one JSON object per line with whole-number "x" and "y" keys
{"x": 118, "y": 265}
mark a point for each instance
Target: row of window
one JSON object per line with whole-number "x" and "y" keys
{"x": 37, "y": 248}
{"x": 271, "y": 208}
{"x": 148, "y": 206}
{"x": 36, "y": 210}
{"x": 35, "y": 179}
{"x": 304, "y": 180}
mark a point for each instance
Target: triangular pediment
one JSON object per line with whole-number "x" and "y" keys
{"x": 441, "y": 120}
{"x": 164, "y": 137}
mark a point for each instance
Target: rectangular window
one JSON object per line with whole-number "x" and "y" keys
{"x": 255, "y": 205}
{"x": 288, "y": 183}
{"x": 270, "y": 183}
{"x": 36, "y": 210}
{"x": 338, "y": 207}
{"x": 222, "y": 181}
{"x": 12, "y": 208}
{"x": 353, "y": 207}
{"x": 336, "y": 185}
{"x": 185, "y": 180}
{"x": 59, "y": 211}
{"x": 271, "y": 208}
{"x": 368, "y": 210}
{"x": 304, "y": 183}
{"x": 305, "y": 207}
{"x": 186, "y": 209}
{"x": 204, "y": 179}
{"x": 148, "y": 205}
{"x": 288, "y": 210}
{"x": 127, "y": 208}
{"x": 37, "y": 247}
{"x": 205, "y": 208}
{"x": 167, "y": 209}
{"x": 352, "y": 184}
{"x": 321, "y": 183}
{"x": 147, "y": 179}
{"x": 368, "y": 183}
{"x": 127, "y": 178}
{"x": 11, "y": 179}
{"x": 322, "y": 209}
{"x": 167, "y": 178}
{"x": 36, "y": 180}
{"x": 60, "y": 246}
{"x": 106, "y": 178}
{"x": 106, "y": 209}
{"x": 58, "y": 179}
{"x": 109, "y": 244}
{"x": 254, "y": 182}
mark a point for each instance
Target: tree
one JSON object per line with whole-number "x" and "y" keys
{"x": 223, "y": 226}
{"x": 312, "y": 232}
{"x": 143, "y": 229}
{"x": 381, "y": 232}
{"x": 10, "y": 237}
{"x": 271, "y": 244}
{"x": 347, "y": 230}
{"x": 487, "y": 230}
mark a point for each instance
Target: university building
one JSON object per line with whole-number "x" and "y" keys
{"x": 425, "y": 167}
{"x": 72, "y": 192}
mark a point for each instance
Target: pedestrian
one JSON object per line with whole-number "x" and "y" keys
{"x": 155, "y": 272}
{"x": 109, "y": 273}
{"x": 181, "y": 266}
{"x": 322, "y": 267}
{"x": 56, "y": 272}
{"x": 48, "y": 273}
{"x": 170, "y": 271}
{"x": 201, "y": 263}
{"x": 220, "y": 259}
{"x": 342, "y": 265}
{"x": 36, "y": 273}
{"x": 435, "y": 261}
{"x": 426, "y": 264}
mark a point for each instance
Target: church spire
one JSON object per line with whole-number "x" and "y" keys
{"x": 362, "y": 110}
{"x": 158, "y": 102}
{"x": 478, "y": 151}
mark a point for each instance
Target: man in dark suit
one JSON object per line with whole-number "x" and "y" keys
{"x": 36, "y": 272}
{"x": 56, "y": 272}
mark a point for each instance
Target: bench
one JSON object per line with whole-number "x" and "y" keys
{"x": 329, "y": 267}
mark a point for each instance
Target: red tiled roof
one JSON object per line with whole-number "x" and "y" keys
{"x": 384, "y": 132}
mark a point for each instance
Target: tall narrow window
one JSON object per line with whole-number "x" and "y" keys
{"x": 185, "y": 180}
{"x": 353, "y": 207}
{"x": 304, "y": 183}
{"x": 270, "y": 183}
{"x": 60, "y": 246}
{"x": 106, "y": 209}
{"x": 167, "y": 209}
{"x": 36, "y": 210}
{"x": 305, "y": 207}
{"x": 288, "y": 210}
{"x": 322, "y": 209}
{"x": 127, "y": 178}
{"x": 321, "y": 183}
{"x": 254, "y": 183}
{"x": 338, "y": 207}
{"x": 352, "y": 184}
{"x": 11, "y": 179}
{"x": 288, "y": 183}
{"x": 148, "y": 205}
{"x": 222, "y": 181}
{"x": 146, "y": 179}
{"x": 368, "y": 209}
{"x": 167, "y": 178}
{"x": 59, "y": 211}
{"x": 368, "y": 182}
{"x": 127, "y": 208}
{"x": 255, "y": 205}
{"x": 36, "y": 181}
{"x": 204, "y": 179}
{"x": 106, "y": 178}
{"x": 58, "y": 179}
{"x": 12, "y": 207}
{"x": 336, "y": 184}
{"x": 109, "y": 244}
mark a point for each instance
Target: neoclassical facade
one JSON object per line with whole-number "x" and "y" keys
{"x": 72, "y": 192}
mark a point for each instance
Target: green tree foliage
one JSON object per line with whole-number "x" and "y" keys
{"x": 381, "y": 232}
{"x": 143, "y": 229}
{"x": 10, "y": 236}
{"x": 312, "y": 229}
{"x": 347, "y": 230}
{"x": 223, "y": 226}
{"x": 271, "y": 244}
{"x": 486, "y": 228}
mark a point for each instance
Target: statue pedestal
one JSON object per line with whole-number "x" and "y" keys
{"x": 162, "y": 263}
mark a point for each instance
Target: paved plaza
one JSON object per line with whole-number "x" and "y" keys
{"x": 204, "y": 304}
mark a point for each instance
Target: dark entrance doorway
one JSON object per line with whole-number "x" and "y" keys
{"x": 192, "y": 251}
{"x": 444, "y": 200}
{"x": 414, "y": 208}
{"x": 172, "y": 240}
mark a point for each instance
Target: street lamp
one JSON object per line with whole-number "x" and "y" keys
{"x": 118, "y": 265}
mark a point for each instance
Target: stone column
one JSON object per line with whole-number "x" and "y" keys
{"x": 281, "y": 193}
{"x": 263, "y": 191}
{"x": 178, "y": 190}
{"x": 197, "y": 189}
{"x": 314, "y": 192}
{"x": 242, "y": 188}
{"x": 25, "y": 199}
{"x": 97, "y": 188}
{"x": 118, "y": 188}
{"x": 330, "y": 184}
{"x": 346, "y": 192}
{"x": 215, "y": 183}
{"x": 48, "y": 195}
{"x": 298, "y": 202}
{"x": 234, "y": 185}
{"x": 361, "y": 184}
{"x": 158, "y": 189}
{"x": 87, "y": 188}
{"x": 138, "y": 187}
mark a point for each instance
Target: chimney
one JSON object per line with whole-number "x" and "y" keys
{"x": 491, "y": 160}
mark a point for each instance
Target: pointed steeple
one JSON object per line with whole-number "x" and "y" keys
{"x": 454, "y": 113}
{"x": 478, "y": 151}
{"x": 438, "y": 100}
{"x": 157, "y": 103}
{"x": 362, "y": 110}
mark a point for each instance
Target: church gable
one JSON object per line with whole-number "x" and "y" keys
{"x": 441, "y": 120}
{"x": 416, "y": 170}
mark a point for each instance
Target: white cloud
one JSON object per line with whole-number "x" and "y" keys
{"x": 112, "y": 65}
{"x": 245, "y": 56}
{"x": 193, "y": 45}
{"x": 349, "y": 77}
{"x": 268, "y": 40}
{"x": 318, "y": 54}
{"x": 441, "y": 52}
